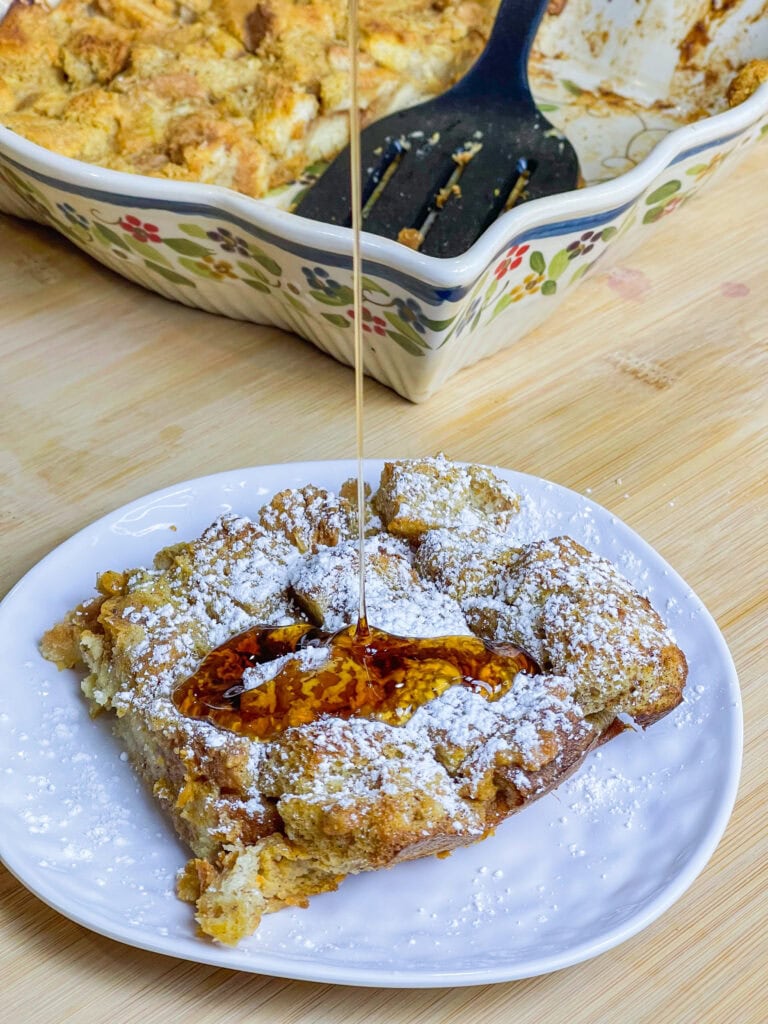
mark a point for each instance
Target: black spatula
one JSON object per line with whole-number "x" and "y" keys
{"x": 436, "y": 175}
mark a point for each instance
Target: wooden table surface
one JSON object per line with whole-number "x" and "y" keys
{"x": 650, "y": 388}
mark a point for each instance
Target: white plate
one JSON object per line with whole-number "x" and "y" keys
{"x": 571, "y": 876}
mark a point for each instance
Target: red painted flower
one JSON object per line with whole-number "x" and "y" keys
{"x": 141, "y": 231}
{"x": 512, "y": 260}
{"x": 672, "y": 204}
{"x": 371, "y": 324}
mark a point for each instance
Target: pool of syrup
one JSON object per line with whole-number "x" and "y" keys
{"x": 358, "y": 671}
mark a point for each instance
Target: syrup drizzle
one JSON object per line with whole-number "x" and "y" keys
{"x": 357, "y": 289}
{"x": 360, "y": 670}
{"x": 346, "y": 674}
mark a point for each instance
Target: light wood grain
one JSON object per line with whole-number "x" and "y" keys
{"x": 657, "y": 404}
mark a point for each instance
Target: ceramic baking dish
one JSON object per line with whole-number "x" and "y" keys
{"x": 639, "y": 88}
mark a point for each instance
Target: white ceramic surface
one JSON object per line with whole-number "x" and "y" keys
{"x": 569, "y": 877}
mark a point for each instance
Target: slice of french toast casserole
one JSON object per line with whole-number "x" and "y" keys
{"x": 275, "y": 817}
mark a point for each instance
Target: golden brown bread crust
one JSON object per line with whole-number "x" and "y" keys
{"x": 273, "y": 822}
{"x": 238, "y": 93}
{"x": 747, "y": 81}
{"x": 578, "y": 616}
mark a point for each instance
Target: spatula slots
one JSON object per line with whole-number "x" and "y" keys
{"x": 438, "y": 174}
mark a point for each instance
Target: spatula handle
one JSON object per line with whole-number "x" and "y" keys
{"x": 501, "y": 70}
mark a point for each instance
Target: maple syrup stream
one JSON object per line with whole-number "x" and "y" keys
{"x": 357, "y": 289}
{"x": 367, "y": 672}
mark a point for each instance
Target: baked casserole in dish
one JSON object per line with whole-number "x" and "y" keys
{"x": 170, "y": 140}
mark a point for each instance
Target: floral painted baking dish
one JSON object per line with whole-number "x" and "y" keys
{"x": 640, "y": 90}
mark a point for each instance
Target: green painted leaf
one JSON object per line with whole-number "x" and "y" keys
{"x": 170, "y": 275}
{"x": 501, "y": 305}
{"x": 558, "y": 264}
{"x": 549, "y": 287}
{"x": 697, "y": 169}
{"x": 546, "y": 108}
{"x": 193, "y": 229}
{"x": 75, "y": 231}
{"x": 572, "y": 87}
{"x": 198, "y": 268}
{"x": 109, "y": 237}
{"x": 608, "y": 232}
{"x": 369, "y": 285}
{"x": 187, "y": 248}
{"x": 438, "y": 325}
{"x": 337, "y": 319}
{"x": 580, "y": 271}
{"x": 293, "y": 301}
{"x": 663, "y": 192}
{"x": 252, "y": 271}
{"x": 403, "y": 327}
{"x": 149, "y": 252}
{"x": 259, "y": 286}
{"x": 538, "y": 263}
{"x": 266, "y": 261}
{"x": 340, "y": 298}
{"x": 405, "y": 343}
{"x": 491, "y": 289}
{"x": 653, "y": 214}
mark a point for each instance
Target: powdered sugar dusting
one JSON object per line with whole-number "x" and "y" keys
{"x": 308, "y": 659}
{"x": 388, "y": 761}
{"x": 536, "y": 707}
{"x": 327, "y": 583}
{"x": 595, "y": 793}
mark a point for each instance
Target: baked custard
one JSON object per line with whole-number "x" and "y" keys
{"x": 241, "y": 93}
{"x": 292, "y": 745}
